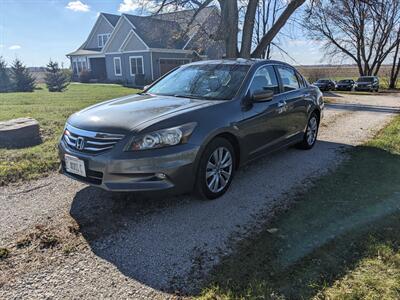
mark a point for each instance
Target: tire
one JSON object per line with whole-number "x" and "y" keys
{"x": 312, "y": 128}
{"x": 218, "y": 152}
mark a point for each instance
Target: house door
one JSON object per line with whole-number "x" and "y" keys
{"x": 167, "y": 64}
{"x": 98, "y": 67}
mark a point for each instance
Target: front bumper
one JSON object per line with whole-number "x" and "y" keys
{"x": 344, "y": 87}
{"x": 364, "y": 88}
{"x": 171, "y": 168}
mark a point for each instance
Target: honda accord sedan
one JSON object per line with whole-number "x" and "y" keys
{"x": 193, "y": 128}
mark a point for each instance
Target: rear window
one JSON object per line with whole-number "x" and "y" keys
{"x": 365, "y": 79}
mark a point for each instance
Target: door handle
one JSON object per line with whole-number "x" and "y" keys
{"x": 281, "y": 104}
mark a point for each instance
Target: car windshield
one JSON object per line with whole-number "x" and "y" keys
{"x": 345, "y": 81}
{"x": 323, "y": 81}
{"x": 365, "y": 79}
{"x": 211, "y": 82}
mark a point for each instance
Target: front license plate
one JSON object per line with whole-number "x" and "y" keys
{"x": 75, "y": 165}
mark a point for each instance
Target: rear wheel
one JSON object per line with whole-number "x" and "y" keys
{"x": 216, "y": 169}
{"x": 310, "y": 136}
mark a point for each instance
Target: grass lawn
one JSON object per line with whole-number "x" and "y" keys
{"x": 340, "y": 240}
{"x": 51, "y": 110}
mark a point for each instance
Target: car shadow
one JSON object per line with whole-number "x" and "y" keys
{"x": 169, "y": 243}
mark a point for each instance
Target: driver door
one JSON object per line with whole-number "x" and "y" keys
{"x": 262, "y": 125}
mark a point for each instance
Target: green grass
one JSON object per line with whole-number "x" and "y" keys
{"x": 340, "y": 240}
{"x": 51, "y": 110}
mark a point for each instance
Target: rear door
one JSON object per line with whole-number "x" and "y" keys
{"x": 296, "y": 95}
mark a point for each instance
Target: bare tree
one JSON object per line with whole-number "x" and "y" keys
{"x": 266, "y": 15}
{"x": 395, "y": 69}
{"x": 365, "y": 31}
{"x": 230, "y": 19}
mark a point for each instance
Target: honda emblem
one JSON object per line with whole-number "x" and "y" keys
{"x": 80, "y": 143}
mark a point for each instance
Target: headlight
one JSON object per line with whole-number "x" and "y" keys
{"x": 162, "y": 138}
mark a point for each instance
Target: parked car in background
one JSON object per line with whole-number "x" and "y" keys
{"x": 325, "y": 84}
{"x": 367, "y": 83}
{"x": 192, "y": 128}
{"x": 345, "y": 85}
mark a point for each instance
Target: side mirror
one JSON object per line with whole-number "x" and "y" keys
{"x": 262, "y": 96}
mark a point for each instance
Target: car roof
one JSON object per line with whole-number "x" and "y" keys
{"x": 240, "y": 61}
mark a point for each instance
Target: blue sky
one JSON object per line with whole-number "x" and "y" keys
{"x": 37, "y": 30}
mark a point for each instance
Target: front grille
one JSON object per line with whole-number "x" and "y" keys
{"x": 90, "y": 141}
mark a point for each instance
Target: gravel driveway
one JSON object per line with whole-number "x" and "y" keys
{"x": 137, "y": 247}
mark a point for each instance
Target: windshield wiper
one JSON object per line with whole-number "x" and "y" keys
{"x": 191, "y": 96}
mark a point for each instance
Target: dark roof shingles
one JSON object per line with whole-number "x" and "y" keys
{"x": 158, "y": 33}
{"x": 113, "y": 19}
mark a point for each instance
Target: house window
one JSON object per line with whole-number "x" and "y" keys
{"x": 102, "y": 39}
{"x": 117, "y": 66}
{"x": 78, "y": 65}
{"x": 136, "y": 63}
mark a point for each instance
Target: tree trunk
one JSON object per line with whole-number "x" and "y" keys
{"x": 248, "y": 29}
{"x": 394, "y": 72}
{"x": 229, "y": 26}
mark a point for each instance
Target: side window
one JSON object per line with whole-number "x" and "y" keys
{"x": 301, "y": 80}
{"x": 264, "y": 79}
{"x": 289, "y": 79}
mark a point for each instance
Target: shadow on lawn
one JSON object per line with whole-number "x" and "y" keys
{"x": 325, "y": 234}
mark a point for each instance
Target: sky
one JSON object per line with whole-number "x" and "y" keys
{"x": 38, "y": 30}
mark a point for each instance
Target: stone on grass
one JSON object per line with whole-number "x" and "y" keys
{"x": 19, "y": 133}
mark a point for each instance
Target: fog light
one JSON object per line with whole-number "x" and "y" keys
{"x": 161, "y": 176}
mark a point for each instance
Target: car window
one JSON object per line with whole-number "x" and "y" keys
{"x": 264, "y": 79}
{"x": 302, "y": 81}
{"x": 208, "y": 81}
{"x": 289, "y": 79}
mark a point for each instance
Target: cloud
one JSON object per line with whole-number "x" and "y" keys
{"x": 78, "y": 6}
{"x": 129, "y": 6}
{"x": 14, "y": 47}
{"x": 1, "y": 46}
{"x": 135, "y": 5}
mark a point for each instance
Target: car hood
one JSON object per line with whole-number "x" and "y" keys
{"x": 364, "y": 82}
{"x": 133, "y": 113}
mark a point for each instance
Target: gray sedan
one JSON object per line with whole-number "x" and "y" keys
{"x": 193, "y": 128}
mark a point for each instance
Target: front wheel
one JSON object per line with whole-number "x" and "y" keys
{"x": 310, "y": 136}
{"x": 216, "y": 169}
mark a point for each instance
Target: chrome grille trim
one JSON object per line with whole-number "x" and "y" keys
{"x": 94, "y": 142}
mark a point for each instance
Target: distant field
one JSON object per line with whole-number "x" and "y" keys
{"x": 51, "y": 110}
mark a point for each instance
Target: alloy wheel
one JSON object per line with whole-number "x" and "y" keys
{"x": 219, "y": 169}
{"x": 312, "y": 129}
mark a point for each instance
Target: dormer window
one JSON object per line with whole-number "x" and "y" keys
{"x": 102, "y": 39}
